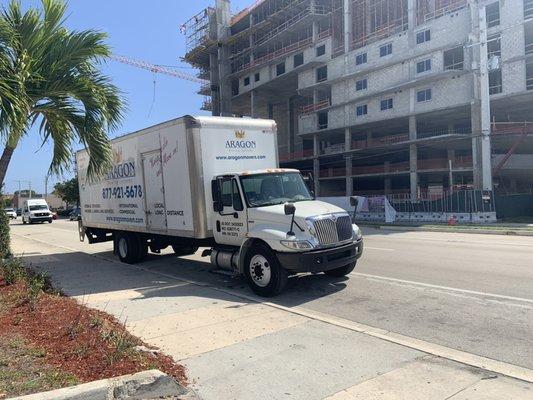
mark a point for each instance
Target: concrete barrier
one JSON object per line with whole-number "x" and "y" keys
{"x": 150, "y": 384}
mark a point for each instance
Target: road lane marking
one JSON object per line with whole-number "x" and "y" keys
{"x": 377, "y": 248}
{"x": 463, "y": 357}
{"x": 448, "y": 288}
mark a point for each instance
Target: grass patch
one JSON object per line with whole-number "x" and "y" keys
{"x": 23, "y": 370}
{"x": 50, "y": 341}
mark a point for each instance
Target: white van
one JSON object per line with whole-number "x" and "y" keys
{"x": 36, "y": 210}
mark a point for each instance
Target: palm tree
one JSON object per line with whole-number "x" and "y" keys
{"x": 49, "y": 78}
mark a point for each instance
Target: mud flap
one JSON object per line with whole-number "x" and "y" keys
{"x": 81, "y": 231}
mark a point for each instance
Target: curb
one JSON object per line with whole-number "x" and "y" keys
{"x": 152, "y": 384}
{"x": 501, "y": 232}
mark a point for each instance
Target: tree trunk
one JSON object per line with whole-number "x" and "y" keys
{"x": 4, "y": 163}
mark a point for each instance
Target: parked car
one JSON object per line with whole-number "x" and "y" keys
{"x": 11, "y": 213}
{"x": 75, "y": 214}
{"x": 19, "y": 212}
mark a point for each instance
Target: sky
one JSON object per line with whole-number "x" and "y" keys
{"x": 140, "y": 29}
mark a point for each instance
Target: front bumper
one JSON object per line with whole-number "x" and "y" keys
{"x": 321, "y": 260}
{"x": 41, "y": 218}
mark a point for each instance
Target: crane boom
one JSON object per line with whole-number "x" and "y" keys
{"x": 157, "y": 68}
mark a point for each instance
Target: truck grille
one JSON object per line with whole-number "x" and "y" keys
{"x": 331, "y": 231}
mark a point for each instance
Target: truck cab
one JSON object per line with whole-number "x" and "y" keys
{"x": 268, "y": 225}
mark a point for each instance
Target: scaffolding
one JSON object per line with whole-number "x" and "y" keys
{"x": 374, "y": 20}
{"x": 197, "y": 30}
{"x": 431, "y": 9}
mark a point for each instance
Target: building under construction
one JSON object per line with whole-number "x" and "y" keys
{"x": 402, "y": 97}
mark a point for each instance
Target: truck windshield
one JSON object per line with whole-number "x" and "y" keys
{"x": 276, "y": 188}
{"x": 38, "y": 207}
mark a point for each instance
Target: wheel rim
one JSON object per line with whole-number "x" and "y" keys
{"x": 260, "y": 270}
{"x": 122, "y": 247}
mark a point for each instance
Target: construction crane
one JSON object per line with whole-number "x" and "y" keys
{"x": 157, "y": 69}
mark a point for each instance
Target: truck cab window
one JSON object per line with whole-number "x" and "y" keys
{"x": 227, "y": 194}
{"x": 230, "y": 195}
{"x": 237, "y": 201}
{"x": 269, "y": 189}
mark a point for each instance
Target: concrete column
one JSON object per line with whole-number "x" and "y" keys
{"x": 223, "y": 17}
{"x": 315, "y": 96}
{"x": 315, "y": 23}
{"x": 289, "y": 126}
{"x": 316, "y": 175}
{"x": 349, "y": 179}
{"x": 412, "y": 128}
{"x": 270, "y": 110}
{"x": 347, "y": 139}
{"x": 214, "y": 77}
{"x": 413, "y": 158}
{"x": 411, "y": 20}
{"x": 451, "y": 166}
{"x": 451, "y": 128}
{"x": 387, "y": 186}
{"x": 369, "y": 138}
{"x": 253, "y": 103}
{"x": 348, "y": 34}
{"x": 480, "y": 108}
{"x": 387, "y": 180}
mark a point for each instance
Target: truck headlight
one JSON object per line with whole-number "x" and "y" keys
{"x": 357, "y": 234}
{"x": 297, "y": 244}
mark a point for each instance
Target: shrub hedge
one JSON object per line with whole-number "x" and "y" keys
{"x": 5, "y": 250}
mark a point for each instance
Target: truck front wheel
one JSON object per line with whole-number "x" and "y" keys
{"x": 341, "y": 271}
{"x": 128, "y": 248}
{"x": 264, "y": 273}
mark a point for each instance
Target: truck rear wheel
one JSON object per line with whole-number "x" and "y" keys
{"x": 264, "y": 273}
{"x": 184, "y": 250}
{"x": 341, "y": 271}
{"x": 128, "y": 248}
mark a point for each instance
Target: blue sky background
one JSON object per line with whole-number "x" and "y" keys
{"x": 141, "y": 29}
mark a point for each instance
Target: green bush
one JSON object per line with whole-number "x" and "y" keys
{"x": 5, "y": 250}
{"x": 13, "y": 270}
{"x": 36, "y": 284}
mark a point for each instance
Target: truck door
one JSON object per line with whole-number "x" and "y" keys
{"x": 154, "y": 191}
{"x": 230, "y": 225}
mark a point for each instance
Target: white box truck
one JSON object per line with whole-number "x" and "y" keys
{"x": 214, "y": 182}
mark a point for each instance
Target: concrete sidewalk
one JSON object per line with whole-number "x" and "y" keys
{"x": 238, "y": 348}
{"x": 486, "y": 229}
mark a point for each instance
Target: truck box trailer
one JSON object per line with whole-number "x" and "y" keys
{"x": 215, "y": 182}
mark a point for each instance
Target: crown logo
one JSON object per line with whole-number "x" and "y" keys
{"x": 240, "y": 134}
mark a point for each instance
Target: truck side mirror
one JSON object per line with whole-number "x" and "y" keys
{"x": 289, "y": 209}
{"x": 216, "y": 192}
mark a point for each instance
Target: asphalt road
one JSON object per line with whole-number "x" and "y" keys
{"x": 466, "y": 291}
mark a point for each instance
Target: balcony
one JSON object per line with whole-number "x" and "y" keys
{"x": 291, "y": 23}
{"x": 311, "y": 108}
{"x": 296, "y": 155}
